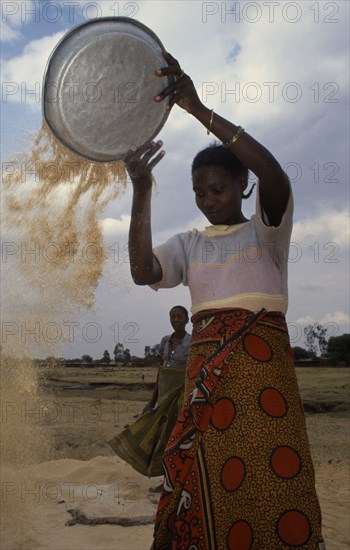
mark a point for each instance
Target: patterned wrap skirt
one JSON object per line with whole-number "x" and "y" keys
{"x": 238, "y": 470}
{"x": 142, "y": 443}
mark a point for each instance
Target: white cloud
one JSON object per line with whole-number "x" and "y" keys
{"x": 8, "y": 33}
{"x": 307, "y": 320}
{"x": 113, "y": 228}
{"x": 14, "y": 15}
{"x": 22, "y": 76}
{"x": 338, "y": 317}
{"x": 332, "y": 225}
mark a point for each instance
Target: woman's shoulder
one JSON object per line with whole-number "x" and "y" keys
{"x": 182, "y": 240}
{"x": 165, "y": 339}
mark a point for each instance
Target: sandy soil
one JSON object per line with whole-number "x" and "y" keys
{"x": 76, "y": 494}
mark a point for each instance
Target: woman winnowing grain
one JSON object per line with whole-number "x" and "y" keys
{"x": 238, "y": 470}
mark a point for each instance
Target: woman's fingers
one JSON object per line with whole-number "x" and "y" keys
{"x": 130, "y": 154}
{"x": 138, "y": 160}
{"x": 172, "y": 69}
{"x": 147, "y": 150}
{"x": 156, "y": 159}
{"x": 175, "y": 71}
{"x": 154, "y": 147}
{"x": 170, "y": 59}
{"x": 174, "y": 87}
{"x": 176, "y": 98}
{"x": 136, "y": 152}
{"x": 147, "y": 156}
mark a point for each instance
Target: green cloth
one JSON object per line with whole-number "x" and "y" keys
{"x": 142, "y": 443}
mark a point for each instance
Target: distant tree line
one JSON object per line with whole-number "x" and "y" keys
{"x": 338, "y": 349}
{"x": 333, "y": 351}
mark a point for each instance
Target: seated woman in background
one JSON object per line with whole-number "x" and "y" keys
{"x": 142, "y": 444}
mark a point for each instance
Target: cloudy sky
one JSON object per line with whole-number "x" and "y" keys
{"x": 279, "y": 69}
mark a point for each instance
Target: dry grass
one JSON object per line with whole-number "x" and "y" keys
{"x": 86, "y": 407}
{"x": 318, "y": 385}
{"x": 321, "y": 386}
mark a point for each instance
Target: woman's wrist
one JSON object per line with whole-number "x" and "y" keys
{"x": 142, "y": 181}
{"x": 142, "y": 190}
{"x": 221, "y": 128}
{"x": 201, "y": 113}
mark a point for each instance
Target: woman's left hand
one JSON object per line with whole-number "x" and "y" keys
{"x": 139, "y": 162}
{"x": 182, "y": 90}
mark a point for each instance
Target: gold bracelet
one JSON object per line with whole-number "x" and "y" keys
{"x": 236, "y": 136}
{"x": 211, "y": 122}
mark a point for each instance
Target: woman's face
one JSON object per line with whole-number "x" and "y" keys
{"x": 178, "y": 318}
{"x": 218, "y": 194}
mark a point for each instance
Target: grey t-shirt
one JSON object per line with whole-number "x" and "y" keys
{"x": 178, "y": 357}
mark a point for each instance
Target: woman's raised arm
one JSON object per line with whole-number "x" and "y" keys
{"x": 145, "y": 268}
{"x": 273, "y": 182}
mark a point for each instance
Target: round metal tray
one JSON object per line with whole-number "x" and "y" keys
{"x": 99, "y": 86}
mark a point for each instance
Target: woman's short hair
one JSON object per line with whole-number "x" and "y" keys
{"x": 217, "y": 154}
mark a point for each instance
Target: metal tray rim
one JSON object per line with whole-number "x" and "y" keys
{"x": 64, "y": 38}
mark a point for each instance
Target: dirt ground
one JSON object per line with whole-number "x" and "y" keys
{"x": 69, "y": 420}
